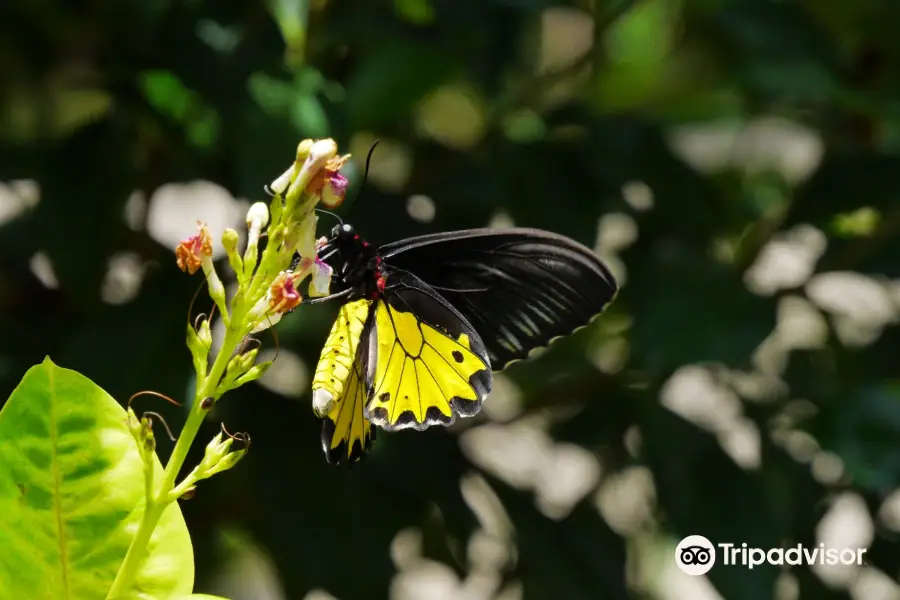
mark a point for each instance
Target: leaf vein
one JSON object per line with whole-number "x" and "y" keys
{"x": 57, "y": 499}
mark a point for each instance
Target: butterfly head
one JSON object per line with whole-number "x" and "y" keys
{"x": 361, "y": 266}
{"x": 347, "y": 242}
{"x": 343, "y": 233}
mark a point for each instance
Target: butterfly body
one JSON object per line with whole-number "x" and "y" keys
{"x": 362, "y": 270}
{"x": 427, "y": 320}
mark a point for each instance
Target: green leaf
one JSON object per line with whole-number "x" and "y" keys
{"x": 418, "y": 12}
{"x": 273, "y": 95}
{"x": 391, "y": 81}
{"x": 291, "y": 18}
{"x": 309, "y": 117}
{"x": 167, "y": 94}
{"x": 637, "y": 70}
{"x": 861, "y": 222}
{"x": 71, "y": 495}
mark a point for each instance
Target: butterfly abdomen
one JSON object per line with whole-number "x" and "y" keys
{"x": 338, "y": 355}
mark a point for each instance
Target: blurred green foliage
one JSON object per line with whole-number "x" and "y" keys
{"x": 713, "y": 129}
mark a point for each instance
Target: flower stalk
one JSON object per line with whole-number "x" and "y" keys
{"x": 267, "y": 288}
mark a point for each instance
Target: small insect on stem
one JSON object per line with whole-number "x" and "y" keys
{"x": 207, "y": 403}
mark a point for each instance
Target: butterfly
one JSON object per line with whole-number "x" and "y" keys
{"x": 426, "y": 321}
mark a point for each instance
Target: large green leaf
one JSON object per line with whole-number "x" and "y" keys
{"x": 71, "y": 495}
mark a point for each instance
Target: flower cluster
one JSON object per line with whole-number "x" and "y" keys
{"x": 267, "y": 286}
{"x": 218, "y": 457}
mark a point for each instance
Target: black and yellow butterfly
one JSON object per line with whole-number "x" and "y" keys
{"x": 426, "y": 320}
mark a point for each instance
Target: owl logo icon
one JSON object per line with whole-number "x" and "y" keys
{"x": 695, "y": 555}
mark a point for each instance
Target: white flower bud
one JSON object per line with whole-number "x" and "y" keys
{"x": 258, "y": 216}
{"x": 322, "y": 150}
{"x": 280, "y": 185}
{"x": 215, "y": 287}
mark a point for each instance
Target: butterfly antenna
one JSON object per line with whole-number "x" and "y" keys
{"x": 365, "y": 175}
{"x": 328, "y": 212}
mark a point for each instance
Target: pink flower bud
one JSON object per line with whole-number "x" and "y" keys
{"x": 192, "y": 251}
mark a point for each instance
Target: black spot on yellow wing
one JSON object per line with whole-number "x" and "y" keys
{"x": 346, "y": 433}
{"x": 423, "y": 374}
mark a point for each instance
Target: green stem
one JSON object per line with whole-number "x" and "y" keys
{"x": 155, "y": 506}
{"x": 128, "y": 570}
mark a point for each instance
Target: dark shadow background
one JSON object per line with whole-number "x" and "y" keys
{"x": 739, "y": 159}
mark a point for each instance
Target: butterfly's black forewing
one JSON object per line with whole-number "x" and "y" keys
{"x": 520, "y": 288}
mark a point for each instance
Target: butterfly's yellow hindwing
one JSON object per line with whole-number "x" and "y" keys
{"x": 339, "y": 352}
{"x": 339, "y": 389}
{"x": 422, "y": 375}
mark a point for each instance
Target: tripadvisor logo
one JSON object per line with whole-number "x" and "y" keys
{"x": 696, "y": 555}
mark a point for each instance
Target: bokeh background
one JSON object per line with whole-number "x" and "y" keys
{"x": 737, "y": 162}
